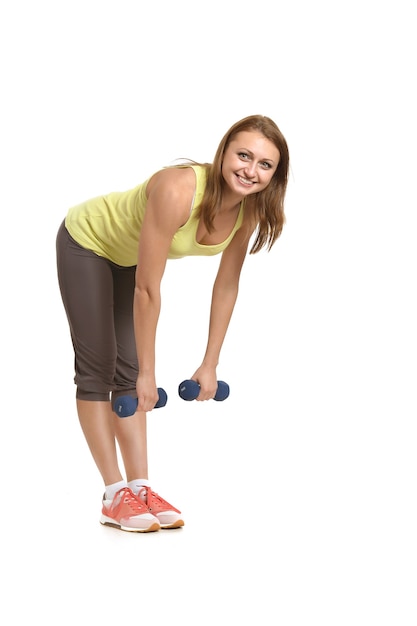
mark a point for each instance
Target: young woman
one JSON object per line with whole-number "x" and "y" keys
{"x": 111, "y": 255}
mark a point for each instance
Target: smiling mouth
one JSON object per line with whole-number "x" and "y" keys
{"x": 245, "y": 181}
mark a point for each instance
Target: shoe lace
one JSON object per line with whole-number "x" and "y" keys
{"x": 127, "y": 496}
{"x": 148, "y": 496}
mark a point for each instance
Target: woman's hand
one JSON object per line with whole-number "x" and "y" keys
{"x": 206, "y": 377}
{"x": 147, "y": 393}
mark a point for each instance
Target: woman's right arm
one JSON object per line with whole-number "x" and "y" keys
{"x": 170, "y": 194}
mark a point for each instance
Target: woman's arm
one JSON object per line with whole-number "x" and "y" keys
{"x": 170, "y": 194}
{"x": 224, "y": 296}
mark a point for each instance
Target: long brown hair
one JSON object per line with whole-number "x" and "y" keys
{"x": 268, "y": 204}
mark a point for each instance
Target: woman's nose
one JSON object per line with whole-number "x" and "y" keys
{"x": 250, "y": 170}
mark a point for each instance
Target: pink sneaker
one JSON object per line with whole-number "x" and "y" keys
{"x": 167, "y": 515}
{"x": 127, "y": 512}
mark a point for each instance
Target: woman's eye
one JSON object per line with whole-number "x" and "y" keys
{"x": 243, "y": 155}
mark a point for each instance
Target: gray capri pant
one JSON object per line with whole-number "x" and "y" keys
{"x": 98, "y": 300}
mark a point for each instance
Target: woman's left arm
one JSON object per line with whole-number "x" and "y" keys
{"x": 224, "y": 296}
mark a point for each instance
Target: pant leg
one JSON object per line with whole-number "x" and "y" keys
{"x": 86, "y": 284}
{"x": 126, "y": 364}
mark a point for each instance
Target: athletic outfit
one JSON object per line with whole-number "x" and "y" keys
{"x": 97, "y": 251}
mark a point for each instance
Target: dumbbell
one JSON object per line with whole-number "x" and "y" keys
{"x": 127, "y": 405}
{"x": 189, "y": 390}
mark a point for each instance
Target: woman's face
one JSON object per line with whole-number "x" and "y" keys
{"x": 249, "y": 162}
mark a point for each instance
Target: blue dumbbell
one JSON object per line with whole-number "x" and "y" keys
{"x": 127, "y": 405}
{"x": 189, "y": 390}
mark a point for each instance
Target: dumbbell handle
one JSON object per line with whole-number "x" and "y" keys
{"x": 189, "y": 390}
{"x": 125, "y": 406}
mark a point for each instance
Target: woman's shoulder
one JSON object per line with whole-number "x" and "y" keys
{"x": 174, "y": 179}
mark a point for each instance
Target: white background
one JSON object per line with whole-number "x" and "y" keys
{"x": 299, "y": 491}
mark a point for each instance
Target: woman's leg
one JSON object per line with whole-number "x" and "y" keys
{"x": 132, "y": 439}
{"x": 131, "y": 432}
{"x": 96, "y": 420}
{"x": 86, "y": 285}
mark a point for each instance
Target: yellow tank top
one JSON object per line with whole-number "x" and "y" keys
{"x": 110, "y": 225}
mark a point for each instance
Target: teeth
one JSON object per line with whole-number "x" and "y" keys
{"x": 245, "y": 180}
